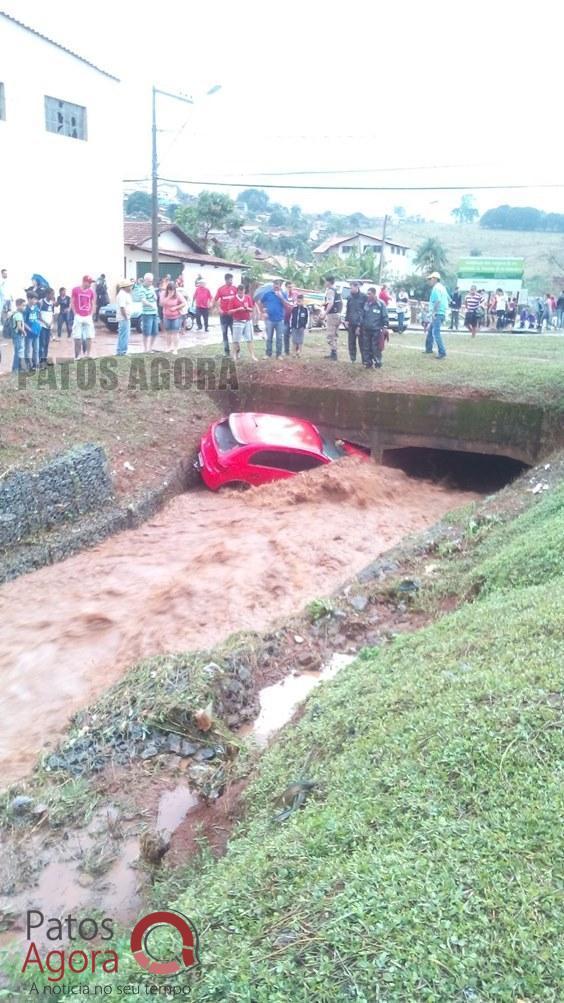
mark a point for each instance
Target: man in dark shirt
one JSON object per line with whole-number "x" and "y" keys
{"x": 455, "y": 304}
{"x": 353, "y": 319}
{"x": 374, "y": 330}
{"x": 64, "y": 315}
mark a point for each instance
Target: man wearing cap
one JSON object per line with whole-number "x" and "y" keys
{"x": 353, "y": 319}
{"x": 83, "y": 299}
{"x": 124, "y": 303}
{"x": 438, "y": 305}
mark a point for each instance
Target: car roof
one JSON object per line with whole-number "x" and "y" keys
{"x": 255, "y": 428}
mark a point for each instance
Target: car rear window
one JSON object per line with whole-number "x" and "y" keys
{"x": 330, "y": 449}
{"x": 224, "y": 438}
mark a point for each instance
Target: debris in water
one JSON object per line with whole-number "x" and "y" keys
{"x": 359, "y": 603}
{"x": 203, "y": 718}
{"x": 293, "y": 798}
{"x": 21, "y": 805}
{"x": 153, "y": 847}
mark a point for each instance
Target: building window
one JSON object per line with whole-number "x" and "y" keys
{"x": 346, "y": 250}
{"x": 65, "y": 118}
{"x": 2, "y": 103}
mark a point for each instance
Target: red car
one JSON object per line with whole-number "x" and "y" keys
{"x": 253, "y": 448}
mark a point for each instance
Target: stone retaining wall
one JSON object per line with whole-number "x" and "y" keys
{"x": 92, "y": 513}
{"x": 61, "y": 490}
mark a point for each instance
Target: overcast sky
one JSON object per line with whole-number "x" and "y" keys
{"x": 438, "y": 94}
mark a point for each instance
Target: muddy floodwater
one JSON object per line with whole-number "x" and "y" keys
{"x": 205, "y": 566}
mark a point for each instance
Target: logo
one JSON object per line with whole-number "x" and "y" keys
{"x": 142, "y": 954}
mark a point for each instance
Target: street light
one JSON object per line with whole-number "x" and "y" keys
{"x": 154, "y": 171}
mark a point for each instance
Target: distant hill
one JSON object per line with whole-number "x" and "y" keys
{"x": 543, "y": 252}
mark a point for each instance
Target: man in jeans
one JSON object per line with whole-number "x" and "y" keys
{"x": 438, "y": 305}
{"x": 353, "y": 319}
{"x": 202, "y": 301}
{"x": 332, "y": 315}
{"x": 223, "y": 298}
{"x": 124, "y": 305}
{"x": 273, "y": 304}
{"x": 149, "y": 312}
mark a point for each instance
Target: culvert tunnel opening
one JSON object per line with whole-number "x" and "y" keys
{"x": 456, "y": 469}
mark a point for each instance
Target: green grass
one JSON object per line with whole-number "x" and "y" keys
{"x": 426, "y": 865}
{"x": 45, "y": 417}
{"x": 525, "y": 368}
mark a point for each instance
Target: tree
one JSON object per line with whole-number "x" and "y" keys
{"x": 279, "y": 216}
{"x": 139, "y": 204}
{"x": 211, "y": 211}
{"x": 399, "y": 212}
{"x": 431, "y": 256}
{"x": 466, "y": 212}
{"x": 255, "y": 200}
{"x": 507, "y": 217}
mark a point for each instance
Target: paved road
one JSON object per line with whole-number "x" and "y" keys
{"x": 105, "y": 344}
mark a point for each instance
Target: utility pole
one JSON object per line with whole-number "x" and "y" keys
{"x": 155, "y": 172}
{"x": 381, "y": 265}
{"x": 155, "y": 197}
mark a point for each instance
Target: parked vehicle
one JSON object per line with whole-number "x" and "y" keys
{"x": 253, "y": 448}
{"x": 108, "y": 314}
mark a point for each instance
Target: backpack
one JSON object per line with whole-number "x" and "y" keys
{"x": 14, "y": 330}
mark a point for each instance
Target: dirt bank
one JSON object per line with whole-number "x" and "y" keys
{"x": 206, "y": 566}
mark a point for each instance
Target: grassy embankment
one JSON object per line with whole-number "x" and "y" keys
{"x": 425, "y": 864}
{"x": 138, "y": 420}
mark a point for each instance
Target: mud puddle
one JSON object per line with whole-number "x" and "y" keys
{"x": 279, "y": 702}
{"x": 207, "y": 565}
{"x": 100, "y": 867}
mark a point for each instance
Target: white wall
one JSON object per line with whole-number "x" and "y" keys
{"x": 212, "y": 274}
{"x": 60, "y": 198}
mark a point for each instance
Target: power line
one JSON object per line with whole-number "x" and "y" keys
{"x": 363, "y": 170}
{"x": 347, "y": 188}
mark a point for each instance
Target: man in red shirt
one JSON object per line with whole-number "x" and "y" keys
{"x": 223, "y": 298}
{"x": 202, "y": 301}
{"x": 384, "y": 295}
{"x": 241, "y": 311}
{"x": 83, "y": 302}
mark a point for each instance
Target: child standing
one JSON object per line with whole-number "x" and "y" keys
{"x": 32, "y": 327}
{"x": 299, "y": 321}
{"x": 47, "y": 312}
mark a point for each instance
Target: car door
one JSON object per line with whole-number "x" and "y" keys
{"x": 264, "y": 465}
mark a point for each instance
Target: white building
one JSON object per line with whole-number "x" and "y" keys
{"x": 179, "y": 254}
{"x": 397, "y": 257}
{"x": 61, "y": 190}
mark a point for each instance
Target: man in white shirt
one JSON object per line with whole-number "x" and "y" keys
{"x": 124, "y": 306}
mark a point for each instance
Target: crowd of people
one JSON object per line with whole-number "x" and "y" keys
{"x": 501, "y": 311}
{"x": 33, "y": 320}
